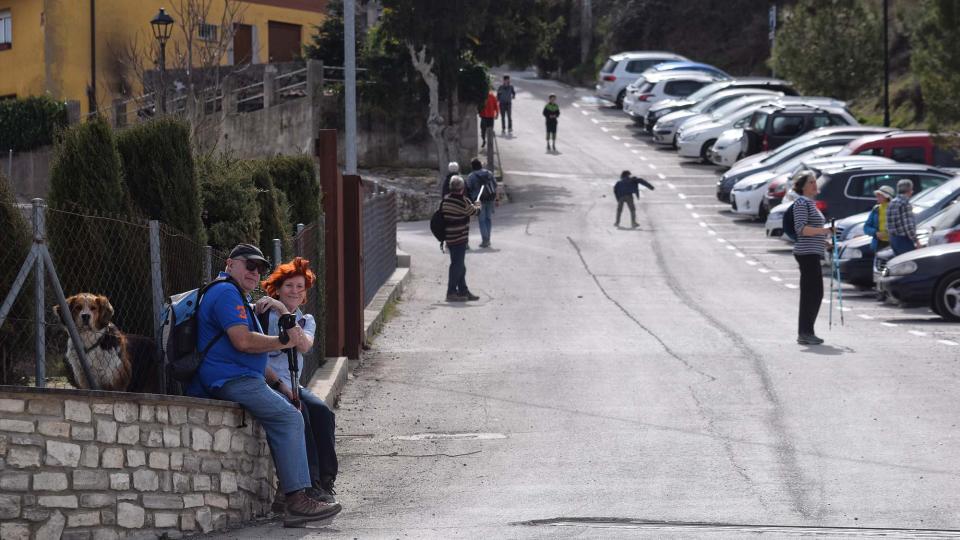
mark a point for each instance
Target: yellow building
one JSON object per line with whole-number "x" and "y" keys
{"x": 46, "y": 45}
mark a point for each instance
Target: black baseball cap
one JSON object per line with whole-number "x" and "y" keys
{"x": 248, "y": 251}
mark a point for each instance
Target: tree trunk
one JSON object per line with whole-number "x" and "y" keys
{"x": 436, "y": 124}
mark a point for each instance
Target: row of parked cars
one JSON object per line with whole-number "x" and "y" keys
{"x": 764, "y": 132}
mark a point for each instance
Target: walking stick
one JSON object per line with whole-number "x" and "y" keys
{"x": 286, "y": 322}
{"x": 835, "y": 275}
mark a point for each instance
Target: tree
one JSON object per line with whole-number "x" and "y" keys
{"x": 16, "y": 236}
{"x": 86, "y": 169}
{"x": 936, "y": 59}
{"x": 830, "y": 47}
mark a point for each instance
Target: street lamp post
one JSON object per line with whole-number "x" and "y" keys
{"x": 886, "y": 64}
{"x": 162, "y": 25}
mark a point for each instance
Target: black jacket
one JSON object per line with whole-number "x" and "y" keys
{"x": 628, "y": 186}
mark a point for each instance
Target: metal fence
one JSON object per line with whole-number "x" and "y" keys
{"x": 131, "y": 263}
{"x": 379, "y": 239}
{"x": 309, "y": 244}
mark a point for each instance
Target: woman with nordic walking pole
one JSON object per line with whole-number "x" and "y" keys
{"x": 808, "y": 250}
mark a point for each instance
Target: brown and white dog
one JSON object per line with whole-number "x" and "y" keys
{"x": 118, "y": 362}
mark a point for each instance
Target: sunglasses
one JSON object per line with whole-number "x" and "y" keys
{"x": 259, "y": 266}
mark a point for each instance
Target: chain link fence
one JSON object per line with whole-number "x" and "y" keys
{"x": 110, "y": 257}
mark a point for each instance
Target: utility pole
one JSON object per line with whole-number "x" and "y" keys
{"x": 586, "y": 29}
{"x": 350, "y": 84}
{"x": 772, "y": 23}
{"x": 92, "y": 97}
{"x": 886, "y": 63}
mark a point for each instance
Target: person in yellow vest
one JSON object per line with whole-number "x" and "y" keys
{"x": 876, "y": 225}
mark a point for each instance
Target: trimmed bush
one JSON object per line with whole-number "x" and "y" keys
{"x": 159, "y": 174}
{"x": 86, "y": 169}
{"x": 296, "y": 177}
{"x": 273, "y": 217}
{"x": 231, "y": 213}
{"x": 30, "y": 122}
{"x": 15, "y": 237}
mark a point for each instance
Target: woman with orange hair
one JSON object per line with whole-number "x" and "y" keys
{"x": 286, "y": 290}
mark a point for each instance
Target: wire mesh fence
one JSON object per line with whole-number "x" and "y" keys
{"x": 309, "y": 244}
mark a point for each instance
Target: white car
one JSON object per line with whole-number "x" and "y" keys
{"x": 665, "y": 85}
{"x": 624, "y": 68}
{"x": 698, "y": 135}
{"x": 665, "y": 130}
{"x": 747, "y": 196}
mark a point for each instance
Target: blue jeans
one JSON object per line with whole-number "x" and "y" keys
{"x": 486, "y": 220}
{"x": 282, "y": 423}
{"x": 320, "y": 423}
{"x": 901, "y": 244}
{"x": 457, "y": 283}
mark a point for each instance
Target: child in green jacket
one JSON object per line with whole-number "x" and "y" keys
{"x": 551, "y": 111}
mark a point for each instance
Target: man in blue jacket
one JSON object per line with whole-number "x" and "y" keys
{"x": 234, "y": 369}
{"x": 625, "y": 190}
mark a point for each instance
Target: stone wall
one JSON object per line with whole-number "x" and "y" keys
{"x": 109, "y": 465}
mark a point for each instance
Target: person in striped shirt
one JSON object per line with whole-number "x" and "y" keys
{"x": 901, "y": 222}
{"x": 809, "y": 248}
{"x": 456, "y": 210}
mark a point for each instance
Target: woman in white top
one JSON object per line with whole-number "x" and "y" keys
{"x": 286, "y": 290}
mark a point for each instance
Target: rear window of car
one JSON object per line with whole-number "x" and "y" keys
{"x": 609, "y": 66}
{"x": 646, "y": 88}
{"x": 946, "y": 218}
{"x": 681, "y": 88}
{"x": 787, "y": 125}
{"x": 928, "y": 181}
{"x": 946, "y": 157}
{"x": 863, "y": 186}
{"x": 871, "y": 152}
{"x": 909, "y": 154}
{"x": 639, "y": 66}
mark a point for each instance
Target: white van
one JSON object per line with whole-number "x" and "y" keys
{"x": 623, "y": 68}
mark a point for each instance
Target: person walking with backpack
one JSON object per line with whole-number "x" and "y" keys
{"x": 901, "y": 220}
{"x": 810, "y": 245}
{"x": 625, "y": 190}
{"x": 456, "y": 210}
{"x": 551, "y": 112}
{"x": 505, "y": 95}
{"x": 234, "y": 368}
{"x": 488, "y": 113}
{"x": 489, "y": 199}
{"x": 286, "y": 290}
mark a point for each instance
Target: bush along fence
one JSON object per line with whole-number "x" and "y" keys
{"x": 133, "y": 264}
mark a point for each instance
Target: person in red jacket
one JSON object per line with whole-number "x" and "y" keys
{"x": 489, "y": 113}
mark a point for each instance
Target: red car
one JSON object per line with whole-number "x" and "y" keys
{"x": 903, "y": 146}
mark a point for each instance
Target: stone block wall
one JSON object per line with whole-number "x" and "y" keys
{"x": 110, "y": 465}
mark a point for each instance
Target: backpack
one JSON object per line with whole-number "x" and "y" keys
{"x": 490, "y": 190}
{"x": 789, "y": 227}
{"x": 179, "y": 333}
{"x": 438, "y": 225}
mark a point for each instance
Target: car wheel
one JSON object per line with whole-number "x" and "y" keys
{"x": 947, "y": 297}
{"x": 763, "y": 212}
{"x": 706, "y": 148}
{"x": 620, "y": 96}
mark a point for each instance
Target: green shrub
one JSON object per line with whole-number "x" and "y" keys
{"x": 159, "y": 173}
{"x": 274, "y": 221}
{"x": 30, "y": 122}
{"x": 86, "y": 169}
{"x": 15, "y": 237}
{"x": 296, "y": 177}
{"x": 231, "y": 213}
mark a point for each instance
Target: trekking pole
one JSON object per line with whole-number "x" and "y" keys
{"x": 286, "y": 322}
{"x": 836, "y": 269}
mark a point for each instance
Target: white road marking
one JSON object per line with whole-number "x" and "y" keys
{"x": 577, "y": 105}
{"x": 763, "y": 270}
{"x": 605, "y": 130}
{"x": 594, "y": 120}
{"x": 889, "y": 324}
{"x": 614, "y": 137}
{"x": 671, "y": 186}
{"x": 775, "y": 278}
{"x": 652, "y": 166}
{"x": 643, "y": 158}
{"x": 947, "y": 342}
{"x": 721, "y": 240}
{"x": 702, "y": 224}
{"x": 585, "y": 113}
{"x": 790, "y": 286}
{"x": 635, "y": 151}
{"x": 661, "y": 176}
{"x": 739, "y": 254}
{"x": 864, "y": 316}
{"x": 731, "y": 248}
{"x": 681, "y": 195}
{"x": 752, "y": 263}
{"x": 917, "y": 333}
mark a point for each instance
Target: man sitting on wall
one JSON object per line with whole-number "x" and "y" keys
{"x": 234, "y": 369}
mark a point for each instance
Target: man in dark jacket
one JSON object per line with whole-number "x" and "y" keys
{"x": 457, "y": 209}
{"x": 505, "y": 95}
{"x": 625, "y": 190}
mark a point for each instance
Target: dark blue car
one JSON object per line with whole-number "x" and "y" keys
{"x": 927, "y": 276}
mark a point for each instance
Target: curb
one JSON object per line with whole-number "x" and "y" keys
{"x": 328, "y": 381}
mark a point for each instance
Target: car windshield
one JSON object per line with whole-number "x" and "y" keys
{"x": 944, "y": 219}
{"x": 787, "y": 147}
{"x": 707, "y": 90}
{"x": 930, "y": 197}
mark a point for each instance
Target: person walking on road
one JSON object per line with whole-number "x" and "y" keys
{"x": 625, "y": 190}
{"x": 876, "y": 225}
{"x": 900, "y": 220}
{"x": 456, "y": 210}
{"x": 809, "y": 248}
{"x": 489, "y": 199}
{"x": 488, "y": 113}
{"x": 453, "y": 169}
{"x": 505, "y": 95}
{"x": 551, "y": 111}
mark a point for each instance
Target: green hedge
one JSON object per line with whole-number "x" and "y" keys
{"x": 30, "y": 122}
{"x": 15, "y": 237}
{"x": 274, "y": 212}
{"x": 86, "y": 169}
{"x": 231, "y": 213}
{"x": 296, "y": 177}
{"x": 159, "y": 174}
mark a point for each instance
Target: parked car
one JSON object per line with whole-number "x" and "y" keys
{"x": 665, "y": 130}
{"x": 667, "y": 106}
{"x": 779, "y": 186}
{"x": 622, "y": 69}
{"x": 747, "y": 196}
{"x": 696, "y": 140}
{"x": 775, "y": 158}
{"x": 686, "y": 65}
{"x": 925, "y": 204}
{"x": 665, "y": 85}
{"x": 728, "y": 148}
{"x": 927, "y": 276}
{"x": 774, "y": 125}
{"x": 857, "y": 254}
{"x": 906, "y": 147}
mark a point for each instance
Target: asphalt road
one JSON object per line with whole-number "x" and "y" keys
{"x": 637, "y": 383}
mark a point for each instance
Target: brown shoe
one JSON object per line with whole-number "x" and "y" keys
{"x": 303, "y": 509}
{"x": 279, "y": 505}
